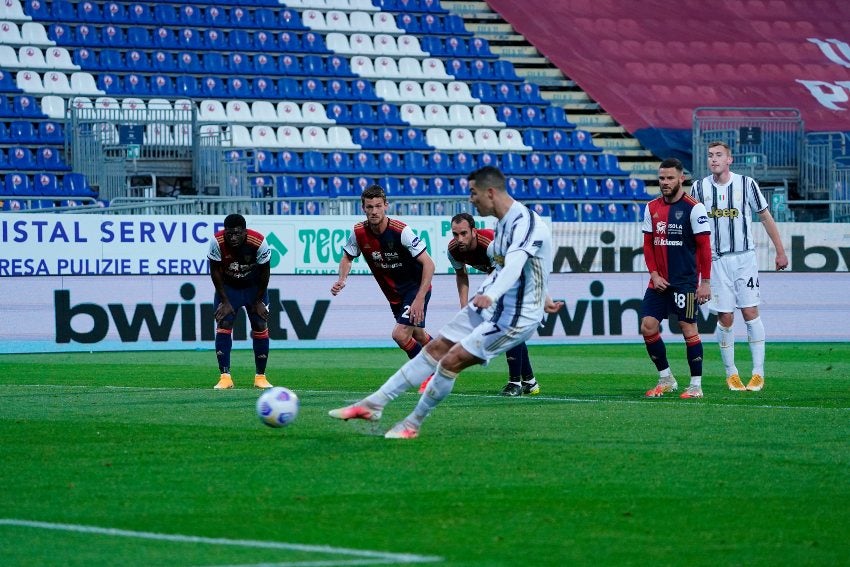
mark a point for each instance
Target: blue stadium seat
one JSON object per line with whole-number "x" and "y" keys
{"x": 86, "y": 35}
{"x": 290, "y": 19}
{"x": 588, "y": 188}
{"x": 264, "y": 64}
{"x": 22, "y": 132}
{"x": 239, "y": 87}
{"x": 416, "y": 164}
{"x": 432, "y": 44}
{"x": 454, "y": 46}
{"x": 87, "y": 59}
{"x": 636, "y": 189}
{"x": 50, "y": 132}
{"x": 17, "y": 184}
{"x": 139, "y": 14}
{"x": 440, "y": 163}
{"x": 314, "y": 90}
{"x": 314, "y": 162}
{"x": 213, "y": 63}
{"x": 532, "y": 117}
{"x": 215, "y": 39}
{"x": 266, "y": 161}
{"x": 287, "y": 186}
{"x": 339, "y": 186}
{"x": 187, "y": 38}
{"x": 559, "y": 140}
{"x": 413, "y": 139}
{"x": 608, "y": 164}
{"x": 362, "y": 113}
{"x": 460, "y": 186}
{"x": 504, "y": 70}
{"x": 535, "y": 138}
{"x": 590, "y": 212}
{"x": 163, "y": 62}
{"x": 464, "y": 162}
{"x": 136, "y": 85}
{"x": 46, "y": 184}
{"x": 488, "y": 159}
{"x": 439, "y": 186}
{"x": 110, "y": 83}
{"x": 516, "y": 187}
{"x": 564, "y": 212}
{"x": 391, "y": 186}
{"x": 459, "y": 69}
{"x": 313, "y": 186}
{"x": 564, "y": 188}
{"x": 63, "y": 11}
{"x": 479, "y": 47}
{"x": 582, "y": 141}
{"x": 38, "y": 11}
{"x": 388, "y": 114}
{"x": 584, "y": 164}
{"x": 187, "y": 62}
{"x": 536, "y": 164}
{"x": 413, "y": 186}
{"x": 138, "y": 61}
{"x": 75, "y": 184}
{"x": 162, "y": 86}
{"x": 364, "y": 163}
{"x": 538, "y": 188}
{"x": 289, "y": 89}
{"x": 359, "y": 184}
{"x": 505, "y": 93}
{"x": 513, "y": 164}
{"x": 314, "y": 66}
{"x": 112, "y": 60}
{"x": 481, "y": 70}
{"x": 363, "y": 90}
{"x": 613, "y": 189}
{"x": 556, "y": 117}
{"x": 313, "y": 43}
{"x": 25, "y": 106}
{"x": 239, "y": 16}
{"x": 542, "y": 209}
{"x": 340, "y": 113}
{"x": 560, "y": 164}
{"x": 264, "y": 87}
{"x": 339, "y": 163}
{"x": 509, "y": 115}
{"x": 290, "y": 42}
{"x": 365, "y": 137}
{"x": 191, "y": 16}
{"x": 113, "y": 36}
{"x": 262, "y": 186}
{"x": 165, "y": 14}
{"x": 615, "y": 212}
{"x": 388, "y": 138}
{"x": 62, "y": 34}
{"x": 115, "y": 13}
{"x": 389, "y": 163}
{"x": 529, "y": 93}
{"x": 21, "y": 158}
{"x": 339, "y": 67}
{"x": 290, "y": 65}
{"x": 215, "y": 17}
{"x": 165, "y": 38}
{"x": 289, "y": 162}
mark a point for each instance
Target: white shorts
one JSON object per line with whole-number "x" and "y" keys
{"x": 481, "y": 338}
{"x": 734, "y": 282}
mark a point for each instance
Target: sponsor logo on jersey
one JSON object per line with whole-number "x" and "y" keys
{"x": 719, "y": 213}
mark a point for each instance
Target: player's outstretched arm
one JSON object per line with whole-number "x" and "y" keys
{"x": 344, "y": 270}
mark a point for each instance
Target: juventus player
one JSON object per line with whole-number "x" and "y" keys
{"x": 678, "y": 255}
{"x": 505, "y": 311}
{"x": 731, "y": 199}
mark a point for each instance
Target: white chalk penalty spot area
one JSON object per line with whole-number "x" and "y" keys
{"x": 75, "y": 544}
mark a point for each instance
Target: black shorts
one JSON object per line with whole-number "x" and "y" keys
{"x": 660, "y": 304}
{"x": 401, "y": 311}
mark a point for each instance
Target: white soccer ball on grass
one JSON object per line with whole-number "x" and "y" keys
{"x": 277, "y": 407}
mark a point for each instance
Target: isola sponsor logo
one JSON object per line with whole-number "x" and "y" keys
{"x": 728, "y": 213}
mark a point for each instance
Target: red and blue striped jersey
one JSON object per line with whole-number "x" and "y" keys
{"x": 670, "y": 242}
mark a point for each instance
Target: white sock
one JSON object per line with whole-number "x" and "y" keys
{"x": 696, "y": 381}
{"x": 726, "y": 340}
{"x": 665, "y": 374}
{"x": 408, "y": 376}
{"x": 756, "y": 336}
{"x": 438, "y": 389}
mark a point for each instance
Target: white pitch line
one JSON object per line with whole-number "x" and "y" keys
{"x": 565, "y": 399}
{"x": 374, "y": 556}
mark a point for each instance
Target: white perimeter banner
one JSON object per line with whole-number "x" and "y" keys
{"x": 163, "y": 245}
{"x": 84, "y": 313}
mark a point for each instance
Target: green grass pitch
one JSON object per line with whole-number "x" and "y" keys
{"x": 133, "y": 459}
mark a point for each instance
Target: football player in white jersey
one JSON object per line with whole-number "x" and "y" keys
{"x": 505, "y": 311}
{"x": 731, "y": 199}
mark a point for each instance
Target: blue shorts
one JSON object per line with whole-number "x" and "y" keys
{"x": 242, "y": 297}
{"x": 660, "y": 304}
{"x": 401, "y": 311}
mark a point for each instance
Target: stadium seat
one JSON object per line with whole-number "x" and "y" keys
{"x": 511, "y": 140}
{"x": 339, "y": 163}
{"x": 516, "y": 188}
{"x": 564, "y": 212}
{"x": 440, "y": 163}
{"x": 560, "y": 164}
{"x": 589, "y": 212}
{"x": 289, "y": 162}
{"x": 564, "y": 188}
{"x": 263, "y": 136}
{"x": 438, "y": 138}
{"x": 584, "y": 164}
{"x": 17, "y": 184}
{"x": 364, "y": 163}
{"x": 636, "y": 189}
{"x": 536, "y": 164}
{"x": 588, "y": 188}
{"x": 539, "y": 188}
{"x": 486, "y": 139}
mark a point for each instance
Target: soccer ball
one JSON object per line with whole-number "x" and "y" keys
{"x": 277, "y": 407}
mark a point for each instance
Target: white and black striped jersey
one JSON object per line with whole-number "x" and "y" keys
{"x": 730, "y": 211}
